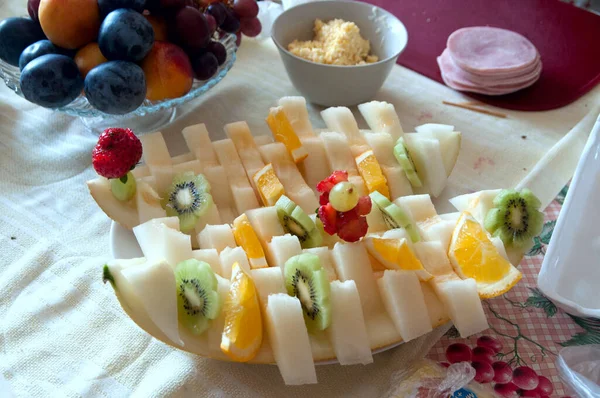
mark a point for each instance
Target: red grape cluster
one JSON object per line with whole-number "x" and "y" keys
{"x": 519, "y": 382}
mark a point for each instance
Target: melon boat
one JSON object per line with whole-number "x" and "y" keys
{"x": 394, "y": 285}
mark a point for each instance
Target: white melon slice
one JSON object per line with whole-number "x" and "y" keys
{"x": 154, "y": 285}
{"x": 282, "y": 248}
{"x": 267, "y": 281}
{"x": 427, "y": 156}
{"x": 315, "y": 167}
{"x": 339, "y": 153}
{"x": 435, "y": 308}
{"x": 347, "y": 332}
{"x": 436, "y": 229}
{"x": 229, "y": 256}
{"x": 247, "y": 149}
{"x": 216, "y": 237}
{"x": 158, "y": 241}
{"x": 376, "y": 221}
{"x": 397, "y": 181}
{"x": 340, "y": 119}
{"x": 215, "y": 331}
{"x": 382, "y": 118}
{"x": 163, "y": 178}
{"x": 192, "y": 165}
{"x": 352, "y": 262}
{"x": 241, "y": 189}
{"x": 420, "y": 207}
{"x": 148, "y": 203}
{"x": 290, "y": 177}
{"x": 398, "y": 233}
{"x": 221, "y": 192}
{"x": 296, "y": 112}
{"x": 462, "y": 302}
{"x": 382, "y": 145}
{"x": 450, "y": 216}
{"x": 211, "y": 217}
{"x": 434, "y": 257}
{"x": 141, "y": 171}
{"x": 477, "y": 203}
{"x": 199, "y": 143}
{"x": 403, "y": 299}
{"x": 449, "y": 140}
{"x": 326, "y": 260}
{"x": 124, "y": 213}
{"x": 266, "y": 224}
{"x": 183, "y": 158}
{"x": 209, "y": 256}
{"x": 289, "y": 340}
{"x": 263, "y": 139}
{"x": 155, "y": 151}
{"x": 360, "y": 185}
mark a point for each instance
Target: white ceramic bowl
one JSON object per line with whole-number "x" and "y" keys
{"x": 570, "y": 274}
{"x": 332, "y": 85}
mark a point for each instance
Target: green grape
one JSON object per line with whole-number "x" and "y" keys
{"x": 123, "y": 188}
{"x": 343, "y": 196}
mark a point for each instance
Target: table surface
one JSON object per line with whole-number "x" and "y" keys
{"x": 62, "y": 332}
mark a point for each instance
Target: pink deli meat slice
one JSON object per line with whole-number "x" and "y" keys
{"x": 486, "y": 90}
{"x": 458, "y": 75}
{"x": 484, "y": 50}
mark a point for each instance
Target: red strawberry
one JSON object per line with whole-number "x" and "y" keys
{"x": 328, "y": 216}
{"x": 332, "y": 180}
{"x": 364, "y": 206}
{"x": 117, "y": 152}
{"x": 351, "y": 226}
{"x": 324, "y": 198}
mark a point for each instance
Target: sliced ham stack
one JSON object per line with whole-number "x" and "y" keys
{"x": 489, "y": 61}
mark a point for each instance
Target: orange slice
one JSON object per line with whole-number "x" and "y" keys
{"x": 370, "y": 171}
{"x": 246, "y": 238}
{"x": 394, "y": 253}
{"x": 284, "y": 132}
{"x": 268, "y": 185}
{"x": 243, "y": 332}
{"x": 473, "y": 255}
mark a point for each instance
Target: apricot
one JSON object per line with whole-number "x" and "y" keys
{"x": 159, "y": 26}
{"x": 88, "y": 57}
{"x": 70, "y": 24}
{"x": 168, "y": 72}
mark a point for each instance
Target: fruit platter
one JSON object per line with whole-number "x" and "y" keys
{"x": 329, "y": 238}
{"x": 121, "y": 57}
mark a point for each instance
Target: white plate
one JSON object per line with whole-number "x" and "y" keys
{"x": 570, "y": 274}
{"x": 124, "y": 245}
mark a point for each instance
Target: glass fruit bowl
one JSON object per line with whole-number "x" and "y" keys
{"x": 148, "y": 117}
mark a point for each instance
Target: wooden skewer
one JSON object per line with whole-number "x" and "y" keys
{"x": 475, "y": 109}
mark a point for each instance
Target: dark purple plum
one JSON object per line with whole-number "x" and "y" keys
{"x": 51, "y": 81}
{"x": 189, "y": 28}
{"x": 32, "y": 9}
{"x": 231, "y": 24}
{"x": 218, "y": 11}
{"x": 16, "y": 34}
{"x": 125, "y": 35}
{"x": 36, "y": 50}
{"x": 218, "y": 50}
{"x": 106, "y": 6}
{"x": 116, "y": 87}
{"x": 205, "y": 65}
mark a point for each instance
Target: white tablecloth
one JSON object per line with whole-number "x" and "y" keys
{"x": 62, "y": 332}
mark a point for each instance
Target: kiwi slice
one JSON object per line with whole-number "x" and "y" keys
{"x": 394, "y": 216}
{"x": 515, "y": 218}
{"x": 296, "y": 222}
{"x": 123, "y": 188}
{"x": 306, "y": 279}
{"x": 403, "y": 157}
{"x": 188, "y": 198}
{"x": 197, "y": 298}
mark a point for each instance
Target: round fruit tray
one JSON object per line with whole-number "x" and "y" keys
{"x": 151, "y": 115}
